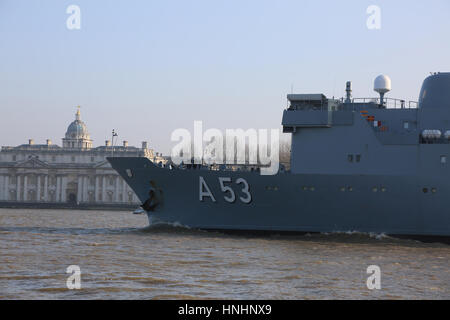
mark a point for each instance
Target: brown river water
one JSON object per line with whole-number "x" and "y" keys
{"x": 121, "y": 257}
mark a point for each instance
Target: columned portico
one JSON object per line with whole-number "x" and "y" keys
{"x": 80, "y": 189}
{"x": 46, "y": 188}
{"x": 38, "y": 188}
{"x": 104, "y": 189}
{"x": 18, "y": 189}
{"x": 58, "y": 189}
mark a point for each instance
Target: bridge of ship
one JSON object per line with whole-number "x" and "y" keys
{"x": 394, "y": 121}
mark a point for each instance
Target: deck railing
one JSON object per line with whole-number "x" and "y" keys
{"x": 389, "y": 103}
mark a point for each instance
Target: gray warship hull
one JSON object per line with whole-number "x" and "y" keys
{"x": 293, "y": 202}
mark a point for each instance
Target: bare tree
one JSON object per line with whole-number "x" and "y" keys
{"x": 285, "y": 154}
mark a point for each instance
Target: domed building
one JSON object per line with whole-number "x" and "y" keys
{"x": 74, "y": 175}
{"x": 77, "y": 135}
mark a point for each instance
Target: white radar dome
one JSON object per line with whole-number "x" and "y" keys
{"x": 382, "y": 84}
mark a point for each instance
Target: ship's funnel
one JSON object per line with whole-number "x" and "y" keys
{"x": 382, "y": 85}
{"x": 435, "y": 92}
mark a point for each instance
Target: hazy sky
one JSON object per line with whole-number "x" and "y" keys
{"x": 146, "y": 68}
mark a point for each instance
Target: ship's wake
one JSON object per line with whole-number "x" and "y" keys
{"x": 159, "y": 226}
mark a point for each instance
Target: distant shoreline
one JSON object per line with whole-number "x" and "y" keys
{"x": 59, "y": 205}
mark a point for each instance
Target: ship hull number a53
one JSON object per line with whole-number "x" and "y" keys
{"x": 229, "y": 195}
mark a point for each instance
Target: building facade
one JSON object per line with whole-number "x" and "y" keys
{"x": 76, "y": 173}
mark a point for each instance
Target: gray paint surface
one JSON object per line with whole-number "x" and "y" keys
{"x": 346, "y": 174}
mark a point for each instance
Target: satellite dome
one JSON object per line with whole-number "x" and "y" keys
{"x": 382, "y": 84}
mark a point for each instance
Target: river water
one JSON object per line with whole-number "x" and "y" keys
{"x": 121, "y": 257}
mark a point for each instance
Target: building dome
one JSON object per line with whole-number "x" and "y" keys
{"x": 77, "y": 135}
{"x": 77, "y": 129}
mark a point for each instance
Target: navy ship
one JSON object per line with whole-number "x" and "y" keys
{"x": 372, "y": 165}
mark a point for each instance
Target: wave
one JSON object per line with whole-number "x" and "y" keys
{"x": 74, "y": 231}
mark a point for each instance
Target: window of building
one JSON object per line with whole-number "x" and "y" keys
{"x": 92, "y": 159}
{"x": 405, "y": 125}
{"x": 53, "y": 158}
{"x": 350, "y": 158}
{"x": 358, "y": 158}
{"x": 14, "y": 158}
{"x": 73, "y": 158}
{"x": 443, "y": 159}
